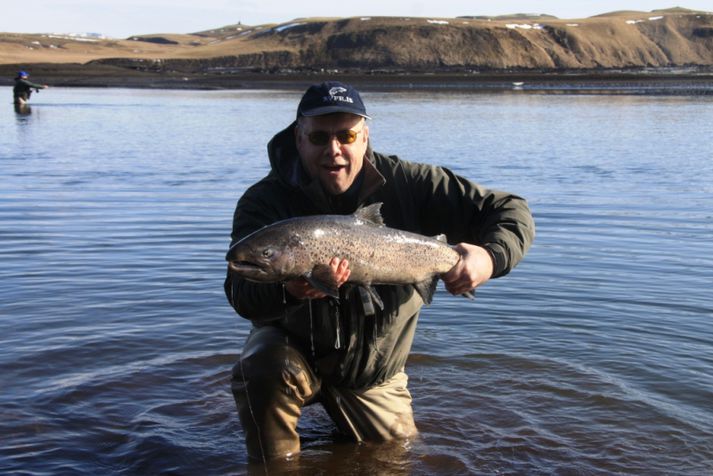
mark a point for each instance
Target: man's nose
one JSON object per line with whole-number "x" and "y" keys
{"x": 334, "y": 146}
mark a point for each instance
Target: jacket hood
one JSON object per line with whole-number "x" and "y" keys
{"x": 284, "y": 157}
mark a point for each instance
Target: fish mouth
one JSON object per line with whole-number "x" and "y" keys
{"x": 252, "y": 272}
{"x": 245, "y": 267}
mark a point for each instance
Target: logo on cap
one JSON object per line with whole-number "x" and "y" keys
{"x": 334, "y": 95}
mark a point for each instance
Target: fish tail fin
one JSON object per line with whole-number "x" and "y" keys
{"x": 426, "y": 289}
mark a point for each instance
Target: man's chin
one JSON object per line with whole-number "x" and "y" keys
{"x": 334, "y": 186}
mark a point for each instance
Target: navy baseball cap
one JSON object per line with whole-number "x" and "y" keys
{"x": 330, "y": 97}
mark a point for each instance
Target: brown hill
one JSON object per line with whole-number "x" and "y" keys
{"x": 619, "y": 40}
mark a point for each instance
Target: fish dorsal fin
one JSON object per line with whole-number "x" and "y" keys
{"x": 371, "y": 213}
{"x": 441, "y": 237}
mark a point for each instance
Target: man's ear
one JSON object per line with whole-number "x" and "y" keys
{"x": 297, "y": 132}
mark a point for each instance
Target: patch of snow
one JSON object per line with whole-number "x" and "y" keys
{"x": 513, "y": 26}
{"x": 365, "y": 18}
{"x": 655, "y": 18}
{"x": 572, "y": 24}
{"x": 88, "y": 36}
{"x": 73, "y": 37}
{"x": 438, "y": 22}
{"x": 97, "y": 36}
{"x": 280, "y": 29}
{"x": 633, "y": 22}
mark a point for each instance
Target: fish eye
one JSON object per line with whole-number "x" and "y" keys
{"x": 268, "y": 252}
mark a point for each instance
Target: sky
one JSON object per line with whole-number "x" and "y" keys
{"x": 123, "y": 18}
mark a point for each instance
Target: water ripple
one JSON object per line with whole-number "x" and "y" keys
{"x": 594, "y": 356}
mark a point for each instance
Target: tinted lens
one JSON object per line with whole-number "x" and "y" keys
{"x": 346, "y": 136}
{"x": 318, "y": 137}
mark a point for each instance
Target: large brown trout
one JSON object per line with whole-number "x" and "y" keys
{"x": 377, "y": 254}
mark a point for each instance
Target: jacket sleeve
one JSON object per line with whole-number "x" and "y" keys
{"x": 259, "y": 302}
{"x": 466, "y": 212}
{"x": 30, "y": 84}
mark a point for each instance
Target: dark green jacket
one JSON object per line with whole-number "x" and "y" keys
{"x": 23, "y": 88}
{"x": 348, "y": 348}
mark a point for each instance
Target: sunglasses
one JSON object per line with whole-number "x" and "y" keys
{"x": 320, "y": 138}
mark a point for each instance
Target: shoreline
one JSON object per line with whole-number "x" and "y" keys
{"x": 696, "y": 80}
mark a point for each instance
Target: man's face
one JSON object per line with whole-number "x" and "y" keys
{"x": 335, "y": 164}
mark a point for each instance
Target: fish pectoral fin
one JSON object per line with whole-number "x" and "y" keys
{"x": 427, "y": 289}
{"x": 322, "y": 278}
{"x": 470, "y": 295}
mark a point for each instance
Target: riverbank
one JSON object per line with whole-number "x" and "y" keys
{"x": 108, "y": 76}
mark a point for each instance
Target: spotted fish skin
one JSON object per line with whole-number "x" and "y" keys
{"x": 377, "y": 254}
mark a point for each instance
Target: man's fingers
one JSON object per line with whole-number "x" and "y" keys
{"x": 301, "y": 289}
{"x": 341, "y": 270}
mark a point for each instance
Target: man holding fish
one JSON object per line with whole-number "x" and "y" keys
{"x": 331, "y": 259}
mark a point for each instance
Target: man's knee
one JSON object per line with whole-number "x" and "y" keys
{"x": 271, "y": 383}
{"x": 271, "y": 365}
{"x": 379, "y": 413}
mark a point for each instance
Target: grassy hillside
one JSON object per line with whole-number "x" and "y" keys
{"x": 613, "y": 41}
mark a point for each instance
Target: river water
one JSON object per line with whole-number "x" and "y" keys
{"x": 594, "y": 356}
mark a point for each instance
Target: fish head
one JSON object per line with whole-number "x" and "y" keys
{"x": 265, "y": 256}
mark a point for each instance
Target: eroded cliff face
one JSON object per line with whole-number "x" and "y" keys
{"x": 667, "y": 38}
